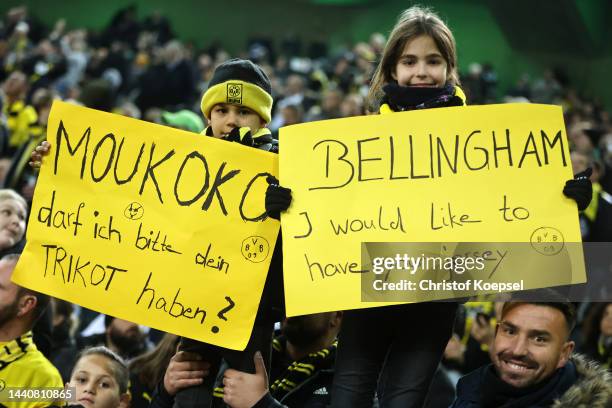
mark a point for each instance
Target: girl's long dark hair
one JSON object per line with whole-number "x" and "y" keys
{"x": 412, "y": 23}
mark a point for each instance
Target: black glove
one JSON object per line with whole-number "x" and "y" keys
{"x": 277, "y": 198}
{"x": 580, "y": 189}
{"x": 240, "y": 135}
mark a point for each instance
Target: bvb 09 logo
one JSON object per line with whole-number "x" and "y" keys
{"x": 234, "y": 93}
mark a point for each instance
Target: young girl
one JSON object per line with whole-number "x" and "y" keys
{"x": 100, "y": 378}
{"x": 395, "y": 350}
{"x": 401, "y": 345}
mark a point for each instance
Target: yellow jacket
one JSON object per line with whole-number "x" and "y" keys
{"x": 23, "y": 366}
{"x": 19, "y": 119}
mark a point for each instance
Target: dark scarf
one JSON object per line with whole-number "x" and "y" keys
{"x": 262, "y": 139}
{"x": 496, "y": 393}
{"x": 296, "y": 372}
{"x": 403, "y": 98}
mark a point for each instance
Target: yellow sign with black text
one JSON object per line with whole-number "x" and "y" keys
{"x": 463, "y": 179}
{"x": 151, "y": 224}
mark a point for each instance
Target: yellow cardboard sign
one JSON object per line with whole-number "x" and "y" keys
{"x": 151, "y": 224}
{"x": 481, "y": 174}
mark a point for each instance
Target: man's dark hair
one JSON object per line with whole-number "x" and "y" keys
{"x": 42, "y": 300}
{"x": 545, "y": 297}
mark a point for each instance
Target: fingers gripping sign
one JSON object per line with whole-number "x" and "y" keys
{"x": 39, "y": 153}
{"x": 185, "y": 370}
{"x": 243, "y": 390}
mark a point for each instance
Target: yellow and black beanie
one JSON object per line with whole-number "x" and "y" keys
{"x": 239, "y": 82}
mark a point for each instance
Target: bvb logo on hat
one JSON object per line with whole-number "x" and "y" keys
{"x": 234, "y": 93}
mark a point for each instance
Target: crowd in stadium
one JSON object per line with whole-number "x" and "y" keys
{"x": 139, "y": 68}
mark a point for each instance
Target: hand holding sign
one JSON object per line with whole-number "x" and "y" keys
{"x": 146, "y": 223}
{"x": 451, "y": 175}
{"x": 244, "y": 390}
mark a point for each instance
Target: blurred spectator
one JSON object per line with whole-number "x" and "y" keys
{"x": 596, "y": 219}
{"x": 472, "y": 84}
{"x": 294, "y": 94}
{"x": 123, "y": 337}
{"x": 292, "y": 115}
{"x": 377, "y": 42}
{"x": 43, "y": 66}
{"x": 19, "y": 116}
{"x": 19, "y": 43}
{"x": 605, "y": 147}
{"x": 123, "y": 27}
{"x": 521, "y": 88}
{"x": 98, "y": 94}
{"x": 20, "y": 176}
{"x": 546, "y": 89}
{"x": 330, "y": 106}
{"x": 343, "y": 73}
{"x": 63, "y": 350}
{"x": 597, "y": 334}
{"x": 22, "y": 365}
{"x": 352, "y": 105}
{"x": 159, "y": 26}
{"x": 74, "y": 47}
{"x": 128, "y": 109}
{"x": 489, "y": 83}
{"x": 169, "y": 80}
{"x": 480, "y": 84}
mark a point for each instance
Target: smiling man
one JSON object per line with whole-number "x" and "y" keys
{"x": 533, "y": 365}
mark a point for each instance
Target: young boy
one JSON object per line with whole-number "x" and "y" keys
{"x": 238, "y": 106}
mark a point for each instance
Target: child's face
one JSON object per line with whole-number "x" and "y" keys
{"x": 224, "y": 117}
{"x": 12, "y": 222}
{"x": 421, "y": 64}
{"x": 95, "y": 383}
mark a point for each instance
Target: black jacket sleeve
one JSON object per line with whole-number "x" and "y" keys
{"x": 267, "y": 401}
{"x": 161, "y": 398}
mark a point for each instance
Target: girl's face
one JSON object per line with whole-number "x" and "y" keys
{"x": 421, "y": 64}
{"x": 95, "y": 383}
{"x": 12, "y": 222}
{"x": 606, "y": 321}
